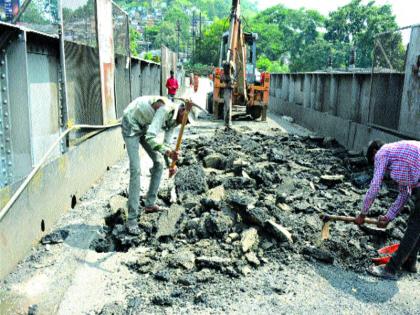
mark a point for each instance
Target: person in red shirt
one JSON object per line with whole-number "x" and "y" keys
{"x": 172, "y": 86}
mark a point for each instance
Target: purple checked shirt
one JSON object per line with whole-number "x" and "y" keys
{"x": 402, "y": 160}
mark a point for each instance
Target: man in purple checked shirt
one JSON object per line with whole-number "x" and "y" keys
{"x": 402, "y": 160}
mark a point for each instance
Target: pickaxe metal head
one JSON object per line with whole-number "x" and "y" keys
{"x": 325, "y": 231}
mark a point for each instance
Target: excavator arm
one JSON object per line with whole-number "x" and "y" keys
{"x": 234, "y": 66}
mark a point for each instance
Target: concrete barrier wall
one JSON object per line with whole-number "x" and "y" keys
{"x": 337, "y": 104}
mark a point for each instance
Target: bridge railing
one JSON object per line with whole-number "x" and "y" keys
{"x": 40, "y": 99}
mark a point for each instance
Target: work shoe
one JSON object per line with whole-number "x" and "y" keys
{"x": 381, "y": 272}
{"x": 133, "y": 227}
{"x": 151, "y": 209}
{"x": 410, "y": 265}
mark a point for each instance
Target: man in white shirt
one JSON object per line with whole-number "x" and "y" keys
{"x": 143, "y": 120}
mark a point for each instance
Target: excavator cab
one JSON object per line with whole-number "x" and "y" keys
{"x": 237, "y": 84}
{"x": 252, "y": 74}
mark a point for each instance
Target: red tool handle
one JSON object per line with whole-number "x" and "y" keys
{"x": 389, "y": 249}
{"x": 381, "y": 260}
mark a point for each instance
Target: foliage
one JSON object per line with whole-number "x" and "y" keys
{"x": 295, "y": 40}
{"x": 148, "y": 56}
{"x": 135, "y": 37}
{"x": 356, "y": 24}
{"x": 198, "y": 68}
{"x": 208, "y": 49}
{"x": 265, "y": 64}
{"x": 164, "y": 32}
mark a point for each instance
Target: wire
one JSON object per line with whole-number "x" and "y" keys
{"x": 35, "y": 170}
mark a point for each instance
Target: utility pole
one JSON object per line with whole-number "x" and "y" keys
{"x": 178, "y": 29}
{"x": 199, "y": 36}
{"x": 193, "y": 33}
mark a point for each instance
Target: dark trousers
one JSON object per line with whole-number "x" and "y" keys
{"x": 410, "y": 243}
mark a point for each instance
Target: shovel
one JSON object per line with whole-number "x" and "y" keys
{"x": 326, "y": 219}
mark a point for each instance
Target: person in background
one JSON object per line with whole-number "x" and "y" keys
{"x": 172, "y": 86}
{"x": 402, "y": 160}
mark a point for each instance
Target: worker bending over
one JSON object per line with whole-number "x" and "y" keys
{"x": 142, "y": 121}
{"x": 402, "y": 160}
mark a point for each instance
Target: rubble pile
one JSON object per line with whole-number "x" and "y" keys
{"x": 242, "y": 199}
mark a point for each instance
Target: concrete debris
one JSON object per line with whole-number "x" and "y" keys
{"x": 113, "y": 309}
{"x": 200, "y": 297}
{"x": 162, "y": 300}
{"x": 319, "y": 254}
{"x": 255, "y": 216}
{"x": 215, "y": 160}
{"x": 185, "y": 258}
{"x": 246, "y": 270}
{"x": 252, "y": 259}
{"x": 191, "y": 179}
{"x": 331, "y": 180}
{"x": 279, "y": 231}
{"x": 261, "y": 205}
{"x": 167, "y": 192}
{"x": 162, "y": 275}
{"x": 249, "y": 239}
{"x": 168, "y": 221}
{"x": 214, "y": 262}
{"x": 216, "y": 193}
{"x": 118, "y": 202}
{"x": 218, "y": 223}
{"x": 55, "y": 237}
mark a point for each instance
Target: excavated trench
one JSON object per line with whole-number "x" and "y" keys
{"x": 245, "y": 198}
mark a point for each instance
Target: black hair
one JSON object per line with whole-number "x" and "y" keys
{"x": 171, "y": 72}
{"x": 373, "y": 147}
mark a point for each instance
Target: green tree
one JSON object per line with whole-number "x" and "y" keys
{"x": 263, "y": 63}
{"x": 208, "y": 51}
{"x": 286, "y": 32}
{"x": 135, "y": 38}
{"x": 355, "y": 24}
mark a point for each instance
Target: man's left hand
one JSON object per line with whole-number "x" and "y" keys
{"x": 172, "y": 171}
{"x": 173, "y": 155}
{"x": 188, "y": 105}
{"x": 382, "y": 222}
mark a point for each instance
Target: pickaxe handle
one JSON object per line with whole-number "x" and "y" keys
{"x": 180, "y": 134}
{"x": 327, "y": 217}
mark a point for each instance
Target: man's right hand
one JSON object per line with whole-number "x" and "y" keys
{"x": 360, "y": 219}
{"x": 173, "y": 155}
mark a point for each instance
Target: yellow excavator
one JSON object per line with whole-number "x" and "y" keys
{"x": 237, "y": 84}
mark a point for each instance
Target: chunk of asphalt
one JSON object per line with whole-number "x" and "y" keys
{"x": 168, "y": 221}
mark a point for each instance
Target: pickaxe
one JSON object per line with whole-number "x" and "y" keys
{"x": 326, "y": 219}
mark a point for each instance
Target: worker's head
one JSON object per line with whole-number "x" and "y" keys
{"x": 172, "y": 73}
{"x": 180, "y": 115}
{"x": 373, "y": 147}
{"x": 158, "y": 103}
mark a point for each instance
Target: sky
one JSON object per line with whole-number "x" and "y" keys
{"x": 406, "y": 11}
